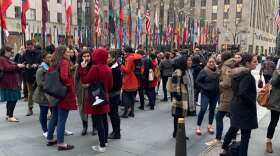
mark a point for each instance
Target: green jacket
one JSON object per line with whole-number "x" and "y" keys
{"x": 39, "y": 95}
{"x": 274, "y": 98}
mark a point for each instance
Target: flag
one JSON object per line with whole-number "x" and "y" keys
{"x": 129, "y": 23}
{"x": 186, "y": 31}
{"x": 25, "y": 7}
{"x": 148, "y": 22}
{"x": 45, "y": 15}
{"x": 139, "y": 26}
{"x": 68, "y": 13}
{"x": 111, "y": 18}
{"x": 97, "y": 18}
{"x": 277, "y": 18}
{"x": 121, "y": 22}
{"x": 4, "y": 5}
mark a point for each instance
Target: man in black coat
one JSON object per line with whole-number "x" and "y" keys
{"x": 31, "y": 59}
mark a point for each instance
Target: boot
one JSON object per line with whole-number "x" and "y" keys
{"x": 131, "y": 114}
{"x": 114, "y": 135}
{"x": 85, "y": 127}
{"x": 30, "y": 112}
{"x": 125, "y": 113}
{"x": 269, "y": 147}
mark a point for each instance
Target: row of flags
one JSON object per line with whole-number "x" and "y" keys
{"x": 5, "y": 4}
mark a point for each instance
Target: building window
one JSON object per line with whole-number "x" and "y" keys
{"x": 59, "y": 17}
{"x": 215, "y": 2}
{"x": 226, "y": 11}
{"x": 239, "y": 1}
{"x": 59, "y": 1}
{"x": 203, "y": 3}
{"x": 192, "y": 3}
{"x": 214, "y": 12}
{"x": 32, "y": 14}
{"x": 203, "y": 13}
{"x": 227, "y": 2}
{"x": 49, "y": 16}
{"x": 17, "y": 12}
{"x": 239, "y": 11}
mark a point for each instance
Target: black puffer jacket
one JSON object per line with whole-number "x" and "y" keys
{"x": 208, "y": 82}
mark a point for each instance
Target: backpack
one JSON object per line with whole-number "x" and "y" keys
{"x": 233, "y": 149}
{"x": 137, "y": 69}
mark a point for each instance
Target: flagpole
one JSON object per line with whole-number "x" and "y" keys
{"x": 130, "y": 25}
{"x": 2, "y": 37}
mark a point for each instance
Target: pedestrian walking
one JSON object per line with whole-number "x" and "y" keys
{"x": 243, "y": 109}
{"x": 274, "y": 107}
{"x": 9, "y": 82}
{"x": 39, "y": 94}
{"x": 166, "y": 70}
{"x": 60, "y": 112}
{"x": 99, "y": 72}
{"x": 208, "y": 81}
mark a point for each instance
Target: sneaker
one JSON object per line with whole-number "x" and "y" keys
{"x": 67, "y": 133}
{"x": 198, "y": 131}
{"x": 12, "y": 119}
{"x": 98, "y": 149}
{"x": 213, "y": 142}
{"x": 45, "y": 134}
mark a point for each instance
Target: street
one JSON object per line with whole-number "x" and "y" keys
{"x": 148, "y": 134}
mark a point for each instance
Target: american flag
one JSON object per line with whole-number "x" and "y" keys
{"x": 148, "y": 22}
{"x": 277, "y": 18}
{"x": 97, "y": 18}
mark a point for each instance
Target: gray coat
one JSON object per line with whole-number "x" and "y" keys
{"x": 39, "y": 95}
{"x": 166, "y": 68}
{"x": 274, "y": 98}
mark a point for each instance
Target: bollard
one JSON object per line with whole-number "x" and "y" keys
{"x": 181, "y": 143}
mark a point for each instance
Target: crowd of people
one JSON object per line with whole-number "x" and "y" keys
{"x": 99, "y": 81}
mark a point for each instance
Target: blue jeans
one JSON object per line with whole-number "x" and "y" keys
{"x": 151, "y": 93}
{"x": 205, "y": 101}
{"x": 219, "y": 124}
{"x": 58, "y": 120}
{"x": 43, "y": 118}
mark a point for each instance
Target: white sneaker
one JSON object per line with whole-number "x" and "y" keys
{"x": 213, "y": 142}
{"x": 98, "y": 149}
{"x": 67, "y": 133}
{"x": 45, "y": 134}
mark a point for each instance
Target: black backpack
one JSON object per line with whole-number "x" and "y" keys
{"x": 137, "y": 70}
{"x": 233, "y": 149}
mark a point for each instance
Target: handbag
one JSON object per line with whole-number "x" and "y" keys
{"x": 260, "y": 83}
{"x": 53, "y": 85}
{"x": 263, "y": 96}
{"x": 97, "y": 92}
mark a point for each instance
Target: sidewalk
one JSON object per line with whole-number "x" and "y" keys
{"x": 257, "y": 142}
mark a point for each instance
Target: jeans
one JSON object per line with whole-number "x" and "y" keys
{"x": 114, "y": 114}
{"x": 220, "y": 124}
{"x": 205, "y": 100}
{"x": 141, "y": 95}
{"x": 245, "y": 138}
{"x": 128, "y": 99}
{"x": 102, "y": 128}
{"x": 151, "y": 93}
{"x": 273, "y": 123}
{"x": 43, "y": 118}
{"x": 10, "y": 108}
{"x": 30, "y": 88}
{"x": 58, "y": 120}
{"x": 164, "y": 82}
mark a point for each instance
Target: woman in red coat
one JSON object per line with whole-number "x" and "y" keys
{"x": 99, "y": 72}
{"x": 9, "y": 82}
{"x": 60, "y": 112}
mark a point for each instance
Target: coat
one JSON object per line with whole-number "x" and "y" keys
{"x": 39, "y": 94}
{"x": 274, "y": 98}
{"x": 243, "y": 109}
{"x": 166, "y": 68}
{"x": 10, "y": 78}
{"x": 99, "y": 71}
{"x": 153, "y": 84}
{"x": 228, "y": 72}
{"x": 208, "y": 81}
{"x": 130, "y": 81}
{"x": 179, "y": 92}
{"x": 29, "y": 58}
{"x": 69, "y": 101}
